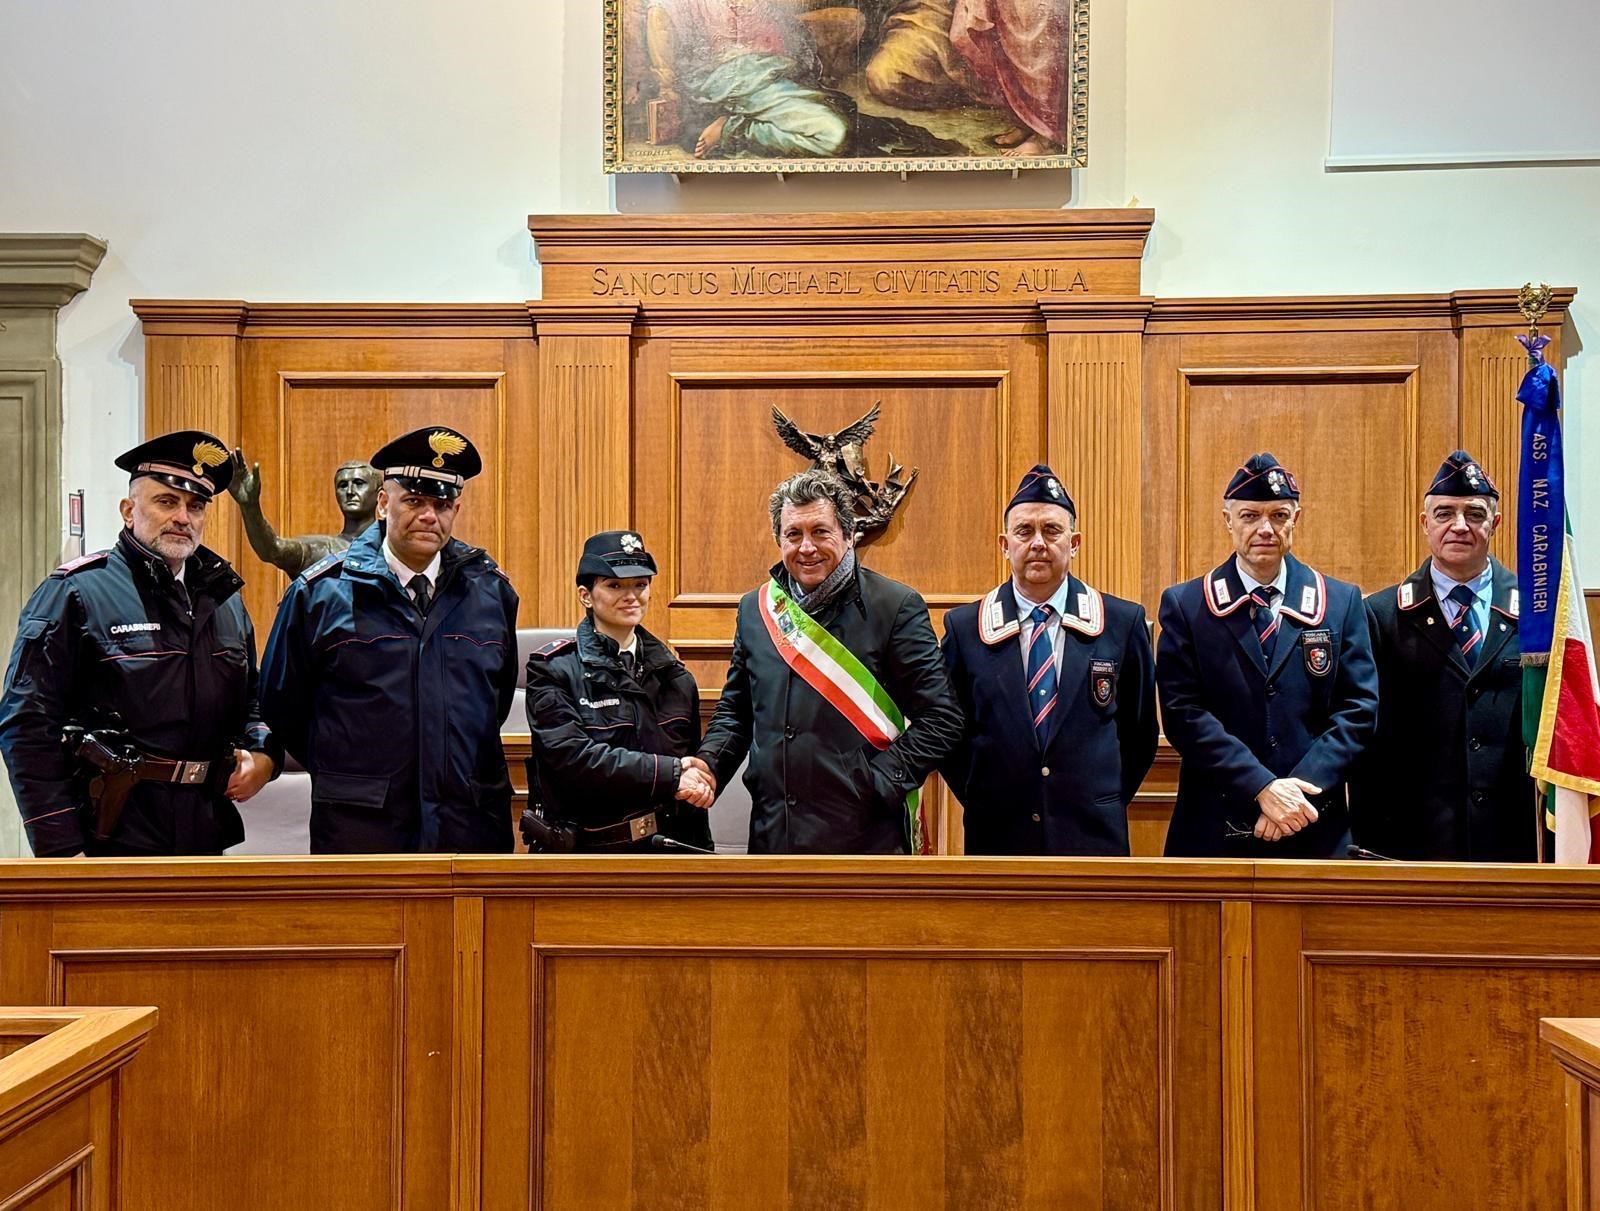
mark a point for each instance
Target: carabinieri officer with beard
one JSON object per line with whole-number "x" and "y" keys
{"x": 146, "y": 652}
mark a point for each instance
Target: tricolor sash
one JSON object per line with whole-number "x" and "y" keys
{"x": 835, "y": 672}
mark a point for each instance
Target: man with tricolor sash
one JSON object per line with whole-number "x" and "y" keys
{"x": 1444, "y": 777}
{"x": 836, "y": 690}
{"x": 1057, "y": 682}
{"x": 1268, "y": 691}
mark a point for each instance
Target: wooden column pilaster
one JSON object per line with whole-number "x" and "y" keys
{"x": 1095, "y": 432}
{"x": 585, "y": 416}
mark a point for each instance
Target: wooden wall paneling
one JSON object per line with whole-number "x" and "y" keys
{"x": 1356, "y": 414}
{"x": 965, "y": 411}
{"x": 1238, "y": 1058}
{"x": 1410, "y": 1023}
{"x": 586, "y": 480}
{"x": 191, "y": 381}
{"x": 312, "y": 405}
{"x": 349, "y": 377}
{"x": 798, "y": 1052}
{"x": 511, "y": 1051}
{"x": 1095, "y": 422}
{"x": 344, "y": 1099}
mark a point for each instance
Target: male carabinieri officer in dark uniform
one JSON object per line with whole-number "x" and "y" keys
{"x": 836, "y": 690}
{"x": 1444, "y": 777}
{"x": 392, "y": 665}
{"x": 1268, "y": 692}
{"x": 1057, "y": 682}
{"x": 148, "y": 649}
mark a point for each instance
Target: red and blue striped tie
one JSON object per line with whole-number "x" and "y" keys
{"x": 1467, "y": 635}
{"x": 1041, "y": 674}
{"x": 1265, "y": 620}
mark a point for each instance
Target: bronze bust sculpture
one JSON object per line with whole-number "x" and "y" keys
{"x": 355, "y": 487}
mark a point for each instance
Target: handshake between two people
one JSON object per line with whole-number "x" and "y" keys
{"x": 697, "y": 785}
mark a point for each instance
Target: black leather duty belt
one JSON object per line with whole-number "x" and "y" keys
{"x": 615, "y": 836}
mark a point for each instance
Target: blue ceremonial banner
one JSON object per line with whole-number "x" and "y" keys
{"x": 1541, "y": 504}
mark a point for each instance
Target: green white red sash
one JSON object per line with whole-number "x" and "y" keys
{"x": 836, "y": 673}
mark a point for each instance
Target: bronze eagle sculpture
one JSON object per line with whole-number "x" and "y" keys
{"x": 842, "y": 453}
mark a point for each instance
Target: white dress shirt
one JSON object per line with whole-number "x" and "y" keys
{"x": 405, "y": 575}
{"x": 1251, "y": 584}
{"x": 1025, "y": 607}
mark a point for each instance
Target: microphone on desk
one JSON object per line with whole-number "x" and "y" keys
{"x": 662, "y": 841}
{"x": 1366, "y": 855}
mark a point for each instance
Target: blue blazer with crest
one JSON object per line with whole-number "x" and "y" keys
{"x": 1070, "y": 795}
{"x": 1239, "y": 723}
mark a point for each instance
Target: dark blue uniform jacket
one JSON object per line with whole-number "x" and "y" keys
{"x": 1444, "y": 776}
{"x": 396, "y": 716}
{"x": 604, "y": 739}
{"x": 108, "y": 640}
{"x": 1238, "y": 724}
{"x": 1099, "y": 750}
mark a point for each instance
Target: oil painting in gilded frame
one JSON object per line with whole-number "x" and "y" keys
{"x": 845, "y": 85}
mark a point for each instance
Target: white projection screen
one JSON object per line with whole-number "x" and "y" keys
{"x": 1418, "y": 82}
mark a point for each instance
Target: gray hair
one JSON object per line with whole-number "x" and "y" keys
{"x": 807, "y": 488}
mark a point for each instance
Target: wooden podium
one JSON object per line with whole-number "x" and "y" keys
{"x": 1576, "y": 1042}
{"x": 877, "y": 1033}
{"x": 60, "y": 1095}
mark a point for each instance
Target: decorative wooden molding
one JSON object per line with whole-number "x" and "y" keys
{"x": 562, "y": 231}
{"x": 583, "y": 319}
{"x": 191, "y": 317}
{"x": 962, "y": 257}
{"x": 46, "y": 270}
{"x": 74, "y": 1049}
{"x": 1399, "y": 312}
{"x": 200, "y": 317}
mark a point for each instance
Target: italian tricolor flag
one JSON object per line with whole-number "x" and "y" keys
{"x": 1566, "y": 754}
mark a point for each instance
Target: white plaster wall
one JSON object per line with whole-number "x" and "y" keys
{"x": 357, "y": 150}
{"x": 350, "y": 149}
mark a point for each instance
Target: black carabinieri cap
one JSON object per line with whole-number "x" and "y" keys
{"x": 1262, "y": 478}
{"x": 1040, "y": 486}
{"x": 432, "y": 461}
{"x": 1460, "y": 475}
{"x": 190, "y": 459}
{"x": 615, "y": 554}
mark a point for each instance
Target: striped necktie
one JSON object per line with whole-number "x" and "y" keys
{"x": 1467, "y": 634}
{"x": 1266, "y": 622}
{"x": 1041, "y": 674}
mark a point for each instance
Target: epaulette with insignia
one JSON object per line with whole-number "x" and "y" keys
{"x": 554, "y": 648}
{"x": 93, "y": 559}
{"x": 323, "y": 566}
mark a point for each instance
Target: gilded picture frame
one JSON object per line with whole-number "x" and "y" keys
{"x": 695, "y": 86}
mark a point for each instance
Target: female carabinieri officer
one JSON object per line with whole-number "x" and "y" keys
{"x": 613, "y": 712}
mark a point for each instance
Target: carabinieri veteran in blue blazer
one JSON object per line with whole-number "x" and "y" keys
{"x": 1268, "y": 689}
{"x": 1443, "y": 778}
{"x": 1057, "y": 682}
